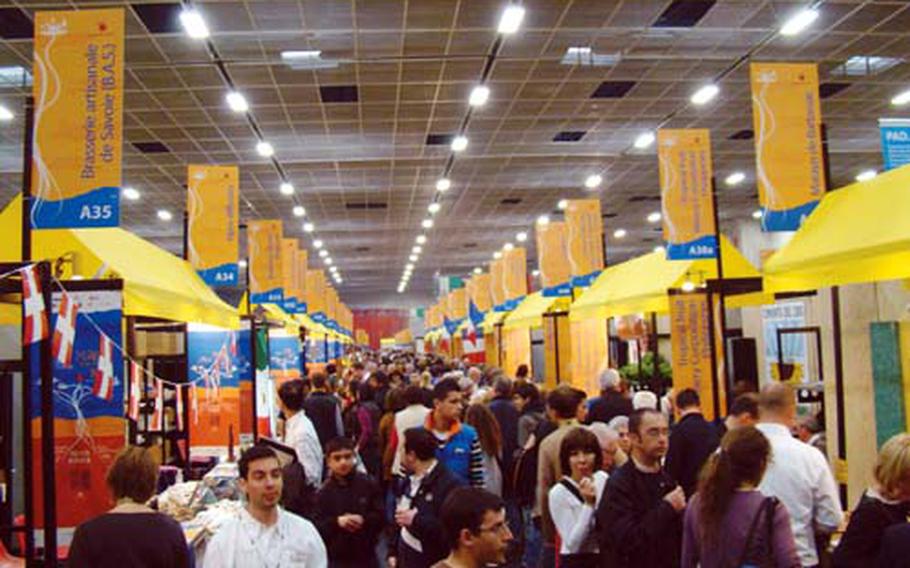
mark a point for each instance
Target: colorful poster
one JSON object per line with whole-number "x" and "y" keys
{"x": 284, "y": 357}
{"x": 497, "y": 289}
{"x": 785, "y": 315}
{"x": 289, "y": 272}
{"x": 316, "y": 350}
{"x": 78, "y": 125}
{"x": 265, "y": 262}
{"x": 213, "y": 199}
{"x": 691, "y": 337}
{"x": 585, "y": 240}
{"x": 686, "y": 187}
{"x": 215, "y": 364}
{"x": 302, "y": 266}
{"x": 895, "y": 133}
{"x": 552, "y": 259}
{"x": 266, "y": 406}
{"x": 89, "y": 424}
{"x": 515, "y": 276}
{"x": 315, "y": 294}
{"x": 789, "y": 165}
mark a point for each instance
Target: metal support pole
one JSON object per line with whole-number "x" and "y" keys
{"x": 727, "y": 381}
{"x": 48, "y": 469}
{"x": 28, "y": 474}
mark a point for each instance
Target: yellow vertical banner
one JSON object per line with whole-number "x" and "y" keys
{"x": 458, "y": 303}
{"x": 690, "y": 337}
{"x": 589, "y": 353}
{"x": 289, "y": 274}
{"x": 515, "y": 276}
{"x": 331, "y": 305}
{"x": 78, "y": 118}
{"x": 686, "y": 186}
{"x": 497, "y": 290}
{"x": 481, "y": 292}
{"x": 585, "y": 244}
{"x": 302, "y": 266}
{"x": 553, "y": 260}
{"x": 265, "y": 261}
{"x": 315, "y": 295}
{"x": 789, "y": 164}
{"x": 213, "y": 198}
{"x": 516, "y": 349}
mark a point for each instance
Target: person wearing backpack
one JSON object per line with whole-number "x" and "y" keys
{"x": 574, "y": 499}
{"x": 729, "y": 523}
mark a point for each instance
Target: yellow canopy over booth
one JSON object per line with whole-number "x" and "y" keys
{"x": 529, "y": 313}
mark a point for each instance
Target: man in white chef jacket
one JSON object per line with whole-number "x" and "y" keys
{"x": 265, "y": 535}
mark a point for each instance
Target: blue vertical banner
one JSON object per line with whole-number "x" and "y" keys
{"x": 895, "y": 142}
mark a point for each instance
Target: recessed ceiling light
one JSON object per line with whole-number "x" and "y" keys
{"x": 477, "y": 270}
{"x": 535, "y": 273}
{"x": 521, "y": 237}
{"x": 654, "y": 217}
{"x": 619, "y": 233}
{"x": 543, "y": 219}
{"x": 497, "y": 255}
{"x": 705, "y": 94}
{"x": 5, "y": 113}
{"x": 659, "y": 249}
{"x": 757, "y": 214}
{"x": 434, "y": 208}
{"x": 241, "y": 263}
{"x": 323, "y": 253}
{"x": 799, "y": 22}
{"x": 421, "y": 239}
{"x": 593, "y": 181}
{"x": 165, "y": 215}
{"x": 299, "y": 211}
{"x": 511, "y": 19}
{"x": 327, "y": 260}
{"x": 130, "y": 193}
{"x": 735, "y": 178}
{"x": 317, "y": 244}
{"x": 237, "y": 102}
{"x": 427, "y": 223}
{"x": 443, "y": 184}
{"x": 413, "y": 258}
{"x": 291, "y": 55}
{"x": 866, "y": 175}
{"x": 459, "y": 143}
{"x": 194, "y": 24}
{"x": 644, "y": 140}
{"x": 901, "y": 98}
{"x": 340, "y": 281}
{"x": 479, "y": 95}
{"x": 308, "y": 227}
{"x": 563, "y": 203}
{"x": 508, "y": 247}
{"x": 401, "y": 289}
{"x": 265, "y": 149}
{"x": 409, "y": 266}
{"x": 333, "y": 269}
{"x": 417, "y": 249}
{"x": 286, "y": 188}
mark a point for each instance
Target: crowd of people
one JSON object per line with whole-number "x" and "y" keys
{"x": 416, "y": 462}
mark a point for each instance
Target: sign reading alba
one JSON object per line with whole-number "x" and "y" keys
{"x": 78, "y": 129}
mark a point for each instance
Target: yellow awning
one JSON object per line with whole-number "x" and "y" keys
{"x": 311, "y": 326}
{"x": 492, "y": 318}
{"x": 464, "y": 325}
{"x": 431, "y": 335}
{"x": 155, "y": 282}
{"x": 860, "y": 233}
{"x": 275, "y": 313}
{"x": 529, "y": 313}
{"x": 641, "y": 284}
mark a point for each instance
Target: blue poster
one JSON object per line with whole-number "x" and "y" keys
{"x": 284, "y": 356}
{"x": 315, "y": 350}
{"x": 895, "y": 142}
{"x": 213, "y": 359}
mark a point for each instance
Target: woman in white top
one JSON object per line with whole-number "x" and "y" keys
{"x": 575, "y": 498}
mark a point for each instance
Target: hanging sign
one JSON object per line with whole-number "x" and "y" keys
{"x": 302, "y": 262}
{"x": 555, "y": 272}
{"x": 515, "y": 276}
{"x": 78, "y": 124}
{"x": 212, "y": 209}
{"x": 265, "y": 258}
{"x": 289, "y": 271}
{"x": 481, "y": 292}
{"x": 315, "y": 293}
{"x": 789, "y": 165}
{"x": 691, "y": 337}
{"x": 895, "y": 133}
{"x": 497, "y": 290}
{"x": 684, "y": 158}
{"x": 585, "y": 240}
{"x": 458, "y": 303}
{"x": 215, "y": 367}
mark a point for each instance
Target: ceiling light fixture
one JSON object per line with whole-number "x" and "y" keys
{"x": 417, "y": 249}
{"x": 563, "y": 204}
{"x": 317, "y": 244}
{"x": 434, "y": 208}
{"x": 654, "y": 217}
{"x": 521, "y": 237}
{"x": 688, "y": 286}
{"x": 619, "y": 233}
{"x": 265, "y": 149}
{"x": 535, "y": 273}
{"x": 130, "y": 193}
{"x": 866, "y": 175}
{"x": 409, "y": 266}
{"x": 237, "y": 102}
{"x": 300, "y": 54}
{"x": 286, "y": 188}
{"x": 799, "y": 22}
{"x": 479, "y": 96}
{"x": 413, "y": 258}
{"x": 508, "y": 246}
{"x": 327, "y": 260}
{"x": 241, "y": 263}
{"x": 757, "y": 214}
{"x": 427, "y": 223}
{"x": 644, "y": 140}
{"x": 5, "y": 114}
{"x": 421, "y": 239}
{"x": 459, "y": 143}
{"x": 593, "y": 181}
{"x": 165, "y": 215}
{"x": 511, "y": 19}
{"x": 478, "y": 270}
{"x": 901, "y": 98}
{"x": 308, "y": 228}
{"x": 333, "y": 269}
{"x": 323, "y": 253}
{"x": 193, "y": 24}
{"x": 299, "y": 211}
{"x": 735, "y": 178}
{"x": 659, "y": 249}
{"x": 705, "y": 94}
{"x": 497, "y": 255}
{"x": 443, "y": 184}
{"x": 543, "y": 220}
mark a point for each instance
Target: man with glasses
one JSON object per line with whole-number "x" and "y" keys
{"x": 640, "y": 516}
{"x": 475, "y": 523}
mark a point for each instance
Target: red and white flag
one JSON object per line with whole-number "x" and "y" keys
{"x": 178, "y": 389}
{"x": 132, "y": 411}
{"x": 104, "y": 374}
{"x": 36, "y": 327}
{"x": 65, "y": 331}
{"x": 158, "y": 415}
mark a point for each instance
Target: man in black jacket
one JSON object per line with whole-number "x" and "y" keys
{"x": 507, "y": 416}
{"x": 324, "y": 410}
{"x": 640, "y": 515}
{"x": 349, "y": 510}
{"x": 421, "y": 540}
{"x": 611, "y": 402}
{"x": 692, "y": 441}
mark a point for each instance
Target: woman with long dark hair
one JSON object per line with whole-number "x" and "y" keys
{"x": 728, "y": 522}
{"x": 488, "y": 433}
